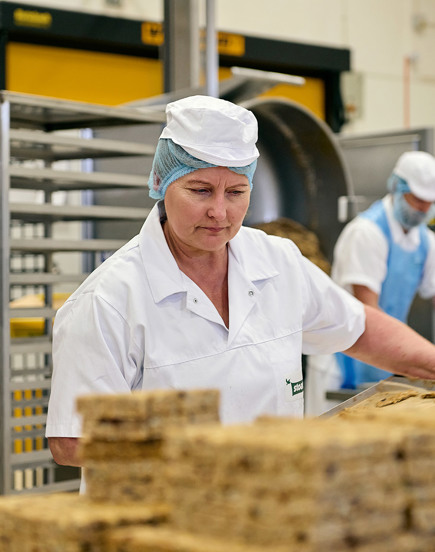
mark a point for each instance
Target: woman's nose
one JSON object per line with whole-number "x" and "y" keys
{"x": 217, "y": 208}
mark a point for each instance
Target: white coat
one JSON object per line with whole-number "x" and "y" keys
{"x": 139, "y": 323}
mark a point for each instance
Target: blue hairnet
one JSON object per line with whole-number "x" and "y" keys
{"x": 397, "y": 184}
{"x": 171, "y": 162}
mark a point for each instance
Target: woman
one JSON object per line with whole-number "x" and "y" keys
{"x": 198, "y": 301}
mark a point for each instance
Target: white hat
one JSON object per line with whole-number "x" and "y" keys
{"x": 418, "y": 169}
{"x": 213, "y": 130}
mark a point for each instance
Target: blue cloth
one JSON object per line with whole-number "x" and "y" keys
{"x": 171, "y": 162}
{"x": 404, "y": 273}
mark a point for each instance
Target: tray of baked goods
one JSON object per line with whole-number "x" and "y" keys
{"x": 394, "y": 394}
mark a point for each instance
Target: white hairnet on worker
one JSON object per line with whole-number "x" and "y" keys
{"x": 203, "y": 132}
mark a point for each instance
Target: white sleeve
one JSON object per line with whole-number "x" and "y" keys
{"x": 333, "y": 319}
{"x": 360, "y": 256}
{"x": 92, "y": 353}
{"x": 427, "y": 286}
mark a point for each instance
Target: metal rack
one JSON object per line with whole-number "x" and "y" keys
{"x": 46, "y": 149}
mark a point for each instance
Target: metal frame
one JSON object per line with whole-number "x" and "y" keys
{"x": 181, "y": 48}
{"x": 5, "y": 401}
{"x": 26, "y": 464}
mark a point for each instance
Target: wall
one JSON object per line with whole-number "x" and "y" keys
{"x": 392, "y": 84}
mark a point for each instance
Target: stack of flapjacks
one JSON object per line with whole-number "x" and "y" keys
{"x": 66, "y": 522}
{"x": 167, "y": 539}
{"x": 417, "y": 456}
{"x": 358, "y": 482}
{"x": 121, "y": 448}
{"x": 307, "y": 485}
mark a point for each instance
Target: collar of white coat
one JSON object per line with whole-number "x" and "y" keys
{"x": 164, "y": 276}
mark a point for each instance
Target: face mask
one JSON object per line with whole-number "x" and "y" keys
{"x": 407, "y": 216}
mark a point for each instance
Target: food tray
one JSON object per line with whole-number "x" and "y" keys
{"x": 392, "y": 383}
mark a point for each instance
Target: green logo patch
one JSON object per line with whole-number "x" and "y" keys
{"x": 297, "y": 387}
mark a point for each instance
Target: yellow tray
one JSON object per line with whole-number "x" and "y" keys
{"x": 30, "y": 327}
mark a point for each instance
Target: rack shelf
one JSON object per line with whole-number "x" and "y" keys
{"x": 49, "y": 114}
{"x": 49, "y": 212}
{"x": 56, "y": 180}
{"x": 44, "y": 278}
{"x": 49, "y": 246}
{"x": 34, "y": 144}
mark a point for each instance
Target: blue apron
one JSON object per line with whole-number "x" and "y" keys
{"x": 404, "y": 274}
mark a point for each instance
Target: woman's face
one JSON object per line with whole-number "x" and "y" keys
{"x": 205, "y": 209}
